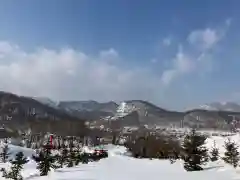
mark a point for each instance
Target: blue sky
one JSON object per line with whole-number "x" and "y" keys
{"x": 177, "y": 54}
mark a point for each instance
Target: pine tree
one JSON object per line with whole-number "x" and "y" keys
{"x": 17, "y": 166}
{"x": 62, "y": 157}
{"x": 85, "y": 158}
{"x": 214, "y": 153}
{"x": 78, "y": 158}
{"x": 195, "y": 154}
{"x": 71, "y": 158}
{"x": 82, "y": 157}
{"x": 45, "y": 161}
{"x": 231, "y": 156}
{"x": 4, "y": 153}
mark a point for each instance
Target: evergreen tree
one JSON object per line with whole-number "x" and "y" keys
{"x": 85, "y": 158}
{"x": 78, "y": 158}
{"x": 231, "y": 156}
{"x": 62, "y": 157}
{"x": 114, "y": 139}
{"x": 4, "y": 154}
{"x": 17, "y": 166}
{"x": 214, "y": 153}
{"x": 45, "y": 161}
{"x": 195, "y": 154}
{"x": 71, "y": 158}
{"x": 82, "y": 157}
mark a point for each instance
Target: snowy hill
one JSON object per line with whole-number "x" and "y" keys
{"x": 46, "y": 101}
{"x": 123, "y": 110}
{"x": 221, "y": 106}
{"x": 111, "y": 168}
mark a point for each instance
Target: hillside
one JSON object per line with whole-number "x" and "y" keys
{"x": 18, "y": 111}
{"x": 111, "y": 168}
{"x": 21, "y": 113}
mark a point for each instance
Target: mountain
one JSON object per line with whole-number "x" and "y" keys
{"x": 88, "y": 106}
{"x": 139, "y": 112}
{"x": 46, "y": 101}
{"x": 19, "y": 112}
{"x": 91, "y": 110}
{"x": 23, "y": 111}
{"x": 148, "y": 113}
{"x": 220, "y": 106}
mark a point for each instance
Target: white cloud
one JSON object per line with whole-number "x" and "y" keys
{"x": 71, "y": 74}
{"x": 192, "y": 62}
{"x": 110, "y": 53}
{"x": 167, "y": 41}
{"x": 205, "y": 39}
{"x": 168, "y": 76}
{"x": 182, "y": 64}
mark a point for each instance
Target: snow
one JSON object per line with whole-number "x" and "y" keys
{"x": 119, "y": 166}
{"x": 208, "y": 107}
{"x": 220, "y": 142}
{"x": 13, "y": 150}
{"x": 46, "y": 101}
{"x": 123, "y": 110}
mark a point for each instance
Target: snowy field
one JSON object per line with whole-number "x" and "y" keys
{"x": 119, "y": 166}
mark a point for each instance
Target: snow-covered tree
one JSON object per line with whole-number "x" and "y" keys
{"x": 16, "y": 167}
{"x": 45, "y": 161}
{"x": 214, "y": 153}
{"x": 4, "y": 153}
{"x": 195, "y": 153}
{"x": 62, "y": 157}
{"x": 71, "y": 158}
{"x": 231, "y": 155}
{"x": 82, "y": 157}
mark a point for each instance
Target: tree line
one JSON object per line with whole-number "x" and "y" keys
{"x": 46, "y": 159}
{"x": 191, "y": 150}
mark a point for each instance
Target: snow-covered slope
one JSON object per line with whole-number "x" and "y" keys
{"x": 124, "y": 109}
{"x": 13, "y": 150}
{"x": 46, "y": 101}
{"x": 221, "y": 106}
{"x": 119, "y": 166}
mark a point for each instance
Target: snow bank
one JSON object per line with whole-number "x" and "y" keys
{"x": 118, "y": 166}
{"x": 115, "y": 150}
{"x": 220, "y": 142}
{"x": 15, "y": 149}
{"x": 126, "y": 168}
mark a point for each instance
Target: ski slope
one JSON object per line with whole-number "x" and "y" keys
{"x": 119, "y": 166}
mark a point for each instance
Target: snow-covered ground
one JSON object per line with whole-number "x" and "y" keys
{"x": 119, "y": 166}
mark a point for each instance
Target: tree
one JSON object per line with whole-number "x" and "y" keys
{"x": 194, "y": 152}
{"x": 71, "y": 158}
{"x": 173, "y": 156}
{"x": 17, "y": 166}
{"x": 79, "y": 157}
{"x": 231, "y": 156}
{"x": 214, "y": 153}
{"x": 61, "y": 158}
{"x": 85, "y": 158}
{"x": 45, "y": 161}
{"x": 4, "y": 154}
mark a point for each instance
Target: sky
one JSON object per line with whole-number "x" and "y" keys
{"x": 176, "y": 54}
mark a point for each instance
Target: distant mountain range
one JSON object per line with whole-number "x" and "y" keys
{"x": 138, "y": 112}
{"x": 18, "y": 109}
{"x": 221, "y": 106}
